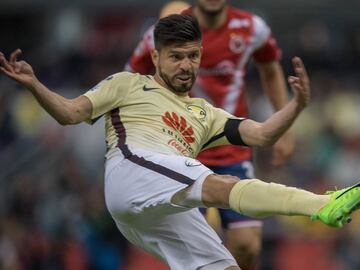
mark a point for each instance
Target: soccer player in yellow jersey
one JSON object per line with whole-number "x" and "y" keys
{"x": 154, "y": 130}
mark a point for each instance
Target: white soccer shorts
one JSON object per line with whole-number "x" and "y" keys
{"x": 138, "y": 192}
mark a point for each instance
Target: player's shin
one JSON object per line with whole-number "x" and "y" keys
{"x": 260, "y": 199}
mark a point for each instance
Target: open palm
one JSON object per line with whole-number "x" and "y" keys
{"x": 19, "y": 71}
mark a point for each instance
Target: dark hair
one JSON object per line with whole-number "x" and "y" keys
{"x": 176, "y": 29}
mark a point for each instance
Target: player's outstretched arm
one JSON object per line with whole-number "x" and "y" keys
{"x": 65, "y": 111}
{"x": 267, "y": 133}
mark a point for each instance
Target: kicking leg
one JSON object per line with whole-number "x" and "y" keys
{"x": 260, "y": 199}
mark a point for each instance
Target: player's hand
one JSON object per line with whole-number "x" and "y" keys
{"x": 300, "y": 84}
{"x": 19, "y": 71}
{"x": 283, "y": 149}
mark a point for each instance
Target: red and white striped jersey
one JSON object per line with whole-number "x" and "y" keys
{"x": 221, "y": 78}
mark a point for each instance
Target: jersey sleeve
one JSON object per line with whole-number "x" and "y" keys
{"x": 267, "y": 48}
{"x": 140, "y": 60}
{"x": 216, "y": 135}
{"x": 109, "y": 94}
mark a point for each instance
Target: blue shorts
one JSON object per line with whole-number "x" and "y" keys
{"x": 229, "y": 218}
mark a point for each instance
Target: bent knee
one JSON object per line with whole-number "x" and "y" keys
{"x": 216, "y": 189}
{"x": 250, "y": 248}
{"x": 245, "y": 245}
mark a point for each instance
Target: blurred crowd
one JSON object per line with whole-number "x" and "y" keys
{"x": 52, "y": 211}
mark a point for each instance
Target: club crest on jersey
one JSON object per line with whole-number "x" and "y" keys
{"x": 237, "y": 43}
{"x": 180, "y": 124}
{"x": 199, "y": 112}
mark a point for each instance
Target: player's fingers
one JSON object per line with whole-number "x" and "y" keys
{"x": 296, "y": 87}
{"x": 293, "y": 80}
{"x": 2, "y": 59}
{"x": 296, "y": 84}
{"x": 10, "y": 74}
{"x": 300, "y": 87}
{"x": 300, "y": 64}
{"x": 300, "y": 70}
{"x": 17, "y": 66}
{"x": 4, "y": 70}
{"x": 4, "y": 63}
{"x": 14, "y": 55}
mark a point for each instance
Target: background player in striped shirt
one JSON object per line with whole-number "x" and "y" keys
{"x": 231, "y": 37}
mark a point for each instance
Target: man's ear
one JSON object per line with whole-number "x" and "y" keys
{"x": 154, "y": 56}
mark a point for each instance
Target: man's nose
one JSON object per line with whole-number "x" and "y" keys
{"x": 185, "y": 64}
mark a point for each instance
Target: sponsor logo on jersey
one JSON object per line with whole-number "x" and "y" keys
{"x": 96, "y": 87}
{"x": 192, "y": 162}
{"x": 145, "y": 88}
{"x": 180, "y": 124}
{"x": 236, "y": 44}
{"x": 199, "y": 112}
{"x": 239, "y": 23}
{"x": 178, "y": 146}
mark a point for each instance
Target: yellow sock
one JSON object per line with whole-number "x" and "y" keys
{"x": 256, "y": 198}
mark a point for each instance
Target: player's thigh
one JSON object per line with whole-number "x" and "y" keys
{"x": 142, "y": 191}
{"x": 183, "y": 240}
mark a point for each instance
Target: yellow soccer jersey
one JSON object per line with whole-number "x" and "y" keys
{"x": 140, "y": 113}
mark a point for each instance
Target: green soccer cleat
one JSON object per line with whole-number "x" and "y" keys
{"x": 338, "y": 210}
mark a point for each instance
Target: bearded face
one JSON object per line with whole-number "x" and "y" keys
{"x": 177, "y": 65}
